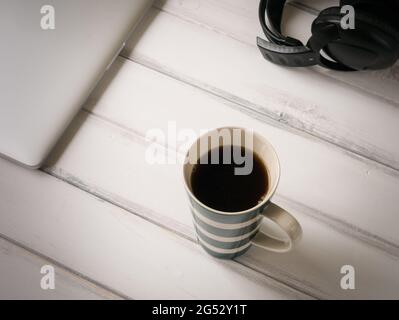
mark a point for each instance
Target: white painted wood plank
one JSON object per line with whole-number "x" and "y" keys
{"x": 219, "y": 16}
{"x": 20, "y": 278}
{"x": 315, "y": 175}
{"x": 116, "y": 248}
{"x": 299, "y": 98}
{"x": 107, "y": 158}
{"x": 110, "y": 163}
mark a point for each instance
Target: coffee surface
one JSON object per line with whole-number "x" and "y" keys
{"x": 219, "y": 187}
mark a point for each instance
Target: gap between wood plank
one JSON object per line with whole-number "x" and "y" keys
{"x": 299, "y": 6}
{"x": 356, "y": 150}
{"x": 304, "y": 7}
{"x": 260, "y": 115}
{"x": 326, "y": 220}
{"x": 75, "y": 182}
{"x": 337, "y": 224}
{"x": 341, "y": 225}
{"x": 188, "y": 233}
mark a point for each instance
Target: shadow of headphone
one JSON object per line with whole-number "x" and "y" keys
{"x": 371, "y": 45}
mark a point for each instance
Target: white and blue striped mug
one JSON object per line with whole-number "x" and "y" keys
{"x": 230, "y": 234}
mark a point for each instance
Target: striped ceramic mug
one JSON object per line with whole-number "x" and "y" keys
{"x": 230, "y": 234}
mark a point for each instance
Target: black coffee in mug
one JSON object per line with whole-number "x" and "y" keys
{"x": 218, "y": 186}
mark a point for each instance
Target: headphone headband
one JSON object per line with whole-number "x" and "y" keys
{"x": 281, "y": 50}
{"x": 274, "y": 11}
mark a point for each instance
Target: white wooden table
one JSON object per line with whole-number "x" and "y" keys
{"x": 114, "y": 226}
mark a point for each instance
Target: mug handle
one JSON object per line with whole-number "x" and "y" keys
{"x": 286, "y": 223}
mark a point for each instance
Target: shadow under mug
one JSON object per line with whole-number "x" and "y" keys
{"x": 230, "y": 234}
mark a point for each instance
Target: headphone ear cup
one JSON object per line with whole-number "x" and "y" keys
{"x": 379, "y": 23}
{"x": 365, "y": 16}
{"x": 385, "y": 10}
{"x": 355, "y": 3}
{"x": 364, "y": 4}
{"x": 373, "y": 44}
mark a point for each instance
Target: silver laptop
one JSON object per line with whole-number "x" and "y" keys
{"x": 52, "y": 54}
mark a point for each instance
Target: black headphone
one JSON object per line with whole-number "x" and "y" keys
{"x": 373, "y": 43}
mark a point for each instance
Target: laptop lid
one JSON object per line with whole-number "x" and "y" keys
{"x": 52, "y": 54}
